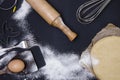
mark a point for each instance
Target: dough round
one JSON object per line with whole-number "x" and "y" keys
{"x": 16, "y": 65}
{"x": 107, "y": 52}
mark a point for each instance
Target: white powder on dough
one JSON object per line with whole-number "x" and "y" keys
{"x": 94, "y": 61}
{"x": 88, "y": 60}
{"x": 23, "y": 11}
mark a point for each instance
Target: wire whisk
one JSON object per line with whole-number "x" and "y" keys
{"x": 90, "y": 10}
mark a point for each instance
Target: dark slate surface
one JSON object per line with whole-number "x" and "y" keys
{"x": 46, "y": 34}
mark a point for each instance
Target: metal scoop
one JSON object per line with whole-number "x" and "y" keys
{"x": 90, "y": 10}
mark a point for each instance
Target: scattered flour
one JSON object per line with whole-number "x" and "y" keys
{"x": 22, "y": 13}
{"x": 0, "y": 47}
{"x": 88, "y": 60}
{"x": 95, "y": 61}
{"x": 63, "y": 66}
{"x": 59, "y": 66}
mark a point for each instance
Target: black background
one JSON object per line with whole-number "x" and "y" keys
{"x": 46, "y": 34}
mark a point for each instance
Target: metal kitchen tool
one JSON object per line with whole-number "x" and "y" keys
{"x": 7, "y": 4}
{"x": 31, "y": 56}
{"x": 90, "y": 10}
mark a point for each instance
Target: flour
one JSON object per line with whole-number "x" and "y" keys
{"x": 95, "y": 61}
{"x": 22, "y": 13}
{"x": 0, "y": 47}
{"x": 88, "y": 60}
{"x": 59, "y": 66}
{"x": 63, "y": 66}
{"x": 20, "y": 16}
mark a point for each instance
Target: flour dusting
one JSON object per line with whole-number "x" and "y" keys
{"x": 23, "y": 11}
{"x": 95, "y": 61}
{"x": 63, "y": 66}
{"x": 59, "y": 66}
{"x": 0, "y": 47}
{"x": 86, "y": 58}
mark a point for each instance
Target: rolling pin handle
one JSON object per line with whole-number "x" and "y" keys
{"x": 58, "y": 22}
{"x": 51, "y": 16}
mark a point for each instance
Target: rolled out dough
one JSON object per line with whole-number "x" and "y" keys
{"x": 107, "y": 52}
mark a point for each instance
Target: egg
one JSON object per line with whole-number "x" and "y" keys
{"x": 16, "y": 65}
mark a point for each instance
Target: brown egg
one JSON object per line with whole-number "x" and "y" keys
{"x": 16, "y": 65}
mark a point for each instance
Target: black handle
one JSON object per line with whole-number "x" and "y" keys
{"x": 38, "y": 57}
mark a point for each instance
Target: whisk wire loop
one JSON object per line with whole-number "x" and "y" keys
{"x": 90, "y": 10}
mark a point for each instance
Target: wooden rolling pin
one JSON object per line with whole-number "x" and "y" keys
{"x": 51, "y": 16}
